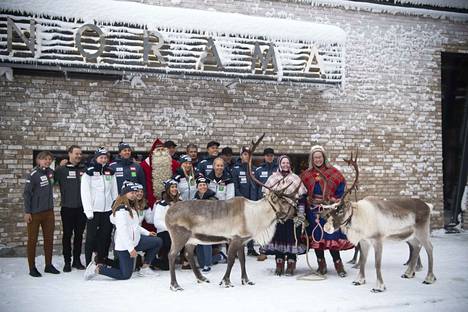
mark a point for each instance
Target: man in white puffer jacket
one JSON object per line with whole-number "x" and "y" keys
{"x": 128, "y": 238}
{"x": 98, "y": 192}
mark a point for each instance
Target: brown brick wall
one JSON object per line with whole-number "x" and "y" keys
{"x": 390, "y": 108}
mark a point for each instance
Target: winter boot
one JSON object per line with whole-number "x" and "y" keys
{"x": 340, "y": 268}
{"x": 34, "y": 272}
{"x": 322, "y": 266}
{"x": 279, "y": 266}
{"x": 291, "y": 267}
{"x": 67, "y": 267}
{"x": 51, "y": 269}
{"x": 77, "y": 264}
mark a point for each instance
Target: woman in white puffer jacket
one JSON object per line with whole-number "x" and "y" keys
{"x": 129, "y": 238}
{"x": 98, "y": 192}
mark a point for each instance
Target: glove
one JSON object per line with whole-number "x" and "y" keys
{"x": 299, "y": 220}
{"x": 89, "y": 215}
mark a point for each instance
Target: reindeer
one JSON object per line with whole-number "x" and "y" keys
{"x": 372, "y": 220}
{"x": 234, "y": 221}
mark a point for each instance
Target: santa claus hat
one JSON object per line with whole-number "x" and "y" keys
{"x": 157, "y": 143}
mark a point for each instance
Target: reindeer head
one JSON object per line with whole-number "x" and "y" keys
{"x": 340, "y": 213}
{"x": 284, "y": 205}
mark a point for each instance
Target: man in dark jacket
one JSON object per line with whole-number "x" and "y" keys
{"x": 172, "y": 149}
{"x": 192, "y": 151}
{"x": 68, "y": 177}
{"x": 266, "y": 169}
{"x": 244, "y": 186}
{"x": 262, "y": 174}
{"x": 206, "y": 165}
{"x": 39, "y": 211}
{"x": 126, "y": 169}
{"x": 226, "y": 155}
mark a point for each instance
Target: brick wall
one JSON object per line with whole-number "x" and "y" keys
{"x": 390, "y": 108}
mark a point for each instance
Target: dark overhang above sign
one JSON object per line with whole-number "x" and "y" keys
{"x": 116, "y": 36}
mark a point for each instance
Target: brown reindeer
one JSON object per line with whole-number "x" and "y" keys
{"x": 372, "y": 220}
{"x": 234, "y": 221}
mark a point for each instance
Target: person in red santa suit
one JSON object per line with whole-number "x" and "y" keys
{"x": 158, "y": 167}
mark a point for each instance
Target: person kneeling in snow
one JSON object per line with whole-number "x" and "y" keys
{"x": 128, "y": 239}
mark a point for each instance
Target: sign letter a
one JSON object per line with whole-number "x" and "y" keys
{"x": 209, "y": 57}
{"x": 32, "y": 35}
{"x": 314, "y": 63}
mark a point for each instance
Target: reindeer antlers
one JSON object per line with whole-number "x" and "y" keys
{"x": 254, "y": 146}
{"x": 353, "y": 162}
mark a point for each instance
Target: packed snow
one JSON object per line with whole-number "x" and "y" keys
{"x": 69, "y": 292}
{"x": 184, "y": 32}
{"x": 392, "y": 9}
{"x": 158, "y": 17}
{"x": 462, "y": 4}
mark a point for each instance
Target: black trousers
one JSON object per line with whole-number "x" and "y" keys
{"x": 73, "y": 223}
{"x": 98, "y": 236}
{"x": 163, "y": 262}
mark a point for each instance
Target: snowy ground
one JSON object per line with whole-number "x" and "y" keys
{"x": 69, "y": 292}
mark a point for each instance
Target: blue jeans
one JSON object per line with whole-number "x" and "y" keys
{"x": 149, "y": 244}
{"x": 204, "y": 255}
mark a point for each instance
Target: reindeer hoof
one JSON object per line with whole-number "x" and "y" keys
{"x": 202, "y": 280}
{"x": 377, "y": 290}
{"x": 406, "y": 275}
{"x": 176, "y": 288}
{"x": 352, "y": 261}
{"x": 247, "y": 282}
{"x": 430, "y": 280}
{"x": 358, "y": 283}
{"x": 226, "y": 284}
{"x": 356, "y": 266}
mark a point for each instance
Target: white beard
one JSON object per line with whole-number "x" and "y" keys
{"x": 161, "y": 170}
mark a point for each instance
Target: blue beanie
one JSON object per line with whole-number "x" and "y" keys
{"x": 128, "y": 187}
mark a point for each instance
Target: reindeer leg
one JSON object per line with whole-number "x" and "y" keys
{"x": 411, "y": 250}
{"x": 364, "y": 248}
{"x": 416, "y": 248}
{"x": 179, "y": 237}
{"x": 189, "y": 249}
{"x": 426, "y": 242}
{"x": 377, "y": 243}
{"x": 234, "y": 245}
{"x": 355, "y": 256}
{"x": 241, "y": 255}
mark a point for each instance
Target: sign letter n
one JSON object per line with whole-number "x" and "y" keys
{"x": 32, "y": 35}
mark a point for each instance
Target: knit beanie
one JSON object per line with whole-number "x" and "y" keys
{"x": 202, "y": 179}
{"x": 168, "y": 183}
{"x": 128, "y": 186}
{"x": 245, "y": 149}
{"x": 100, "y": 151}
{"x": 123, "y": 145}
{"x": 185, "y": 158}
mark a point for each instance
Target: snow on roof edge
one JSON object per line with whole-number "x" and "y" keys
{"x": 386, "y": 9}
{"x": 210, "y": 22}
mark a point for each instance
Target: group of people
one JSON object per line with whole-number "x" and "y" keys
{"x": 130, "y": 199}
